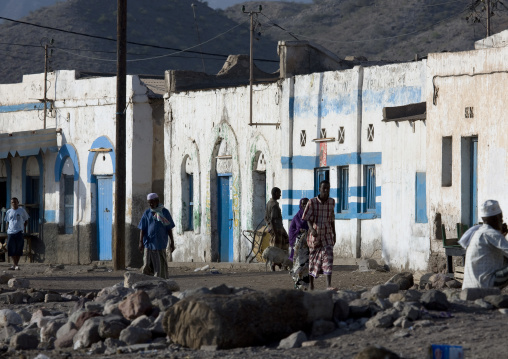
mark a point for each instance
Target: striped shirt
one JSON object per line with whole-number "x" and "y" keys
{"x": 323, "y": 216}
{"x": 484, "y": 256}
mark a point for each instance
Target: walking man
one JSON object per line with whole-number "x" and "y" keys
{"x": 273, "y": 219}
{"x": 156, "y": 226}
{"x": 17, "y": 219}
{"x": 319, "y": 214}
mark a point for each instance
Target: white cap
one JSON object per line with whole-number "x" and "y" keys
{"x": 490, "y": 208}
{"x": 151, "y": 196}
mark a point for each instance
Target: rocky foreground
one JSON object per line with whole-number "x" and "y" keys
{"x": 144, "y": 314}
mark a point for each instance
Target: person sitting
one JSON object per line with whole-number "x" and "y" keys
{"x": 486, "y": 250}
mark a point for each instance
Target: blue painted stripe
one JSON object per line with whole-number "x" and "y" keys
{"x": 311, "y": 162}
{"x": 23, "y": 107}
{"x": 356, "y": 210}
{"x": 297, "y": 194}
{"x": 49, "y": 216}
{"x": 354, "y": 191}
{"x": 374, "y": 100}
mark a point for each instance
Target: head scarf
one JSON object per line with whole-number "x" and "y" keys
{"x": 297, "y": 223}
{"x": 159, "y": 216}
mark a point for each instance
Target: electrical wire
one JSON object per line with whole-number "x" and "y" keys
{"x": 128, "y": 42}
{"x": 160, "y": 56}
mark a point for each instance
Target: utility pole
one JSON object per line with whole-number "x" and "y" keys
{"x": 46, "y": 59}
{"x": 197, "y": 30}
{"x": 121, "y": 91}
{"x": 251, "y": 65}
{"x": 488, "y": 17}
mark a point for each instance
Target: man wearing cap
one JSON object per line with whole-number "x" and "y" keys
{"x": 486, "y": 250}
{"x": 156, "y": 226}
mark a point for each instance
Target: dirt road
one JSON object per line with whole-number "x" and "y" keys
{"x": 481, "y": 332}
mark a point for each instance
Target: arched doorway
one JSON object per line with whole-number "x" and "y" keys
{"x": 258, "y": 189}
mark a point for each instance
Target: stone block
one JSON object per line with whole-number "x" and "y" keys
{"x": 435, "y": 300}
{"x": 24, "y": 340}
{"x": 295, "y": 340}
{"x": 227, "y": 321}
{"x": 135, "y": 335}
{"x": 88, "y": 333}
{"x": 18, "y": 283}
{"x": 135, "y": 305}
{"x": 9, "y": 317}
{"x": 384, "y": 290}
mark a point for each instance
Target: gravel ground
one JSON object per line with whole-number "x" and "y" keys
{"x": 481, "y": 332}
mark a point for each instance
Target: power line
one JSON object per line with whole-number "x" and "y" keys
{"x": 129, "y": 42}
{"x": 161, "y": 56}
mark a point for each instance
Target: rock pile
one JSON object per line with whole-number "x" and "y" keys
{"x": 146, "y": 313}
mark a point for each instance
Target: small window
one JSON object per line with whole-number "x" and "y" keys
{"x": 370, "y": 133}
{"x": 446, "y": 164}
{"x": 323, "y": 133}
{"x": 303, "y": 138}
{"x": 343, "y": 188}
{"x": 191, "y": 202}
{"x": 370, "y": 176}
{"x": 342, "y": 135}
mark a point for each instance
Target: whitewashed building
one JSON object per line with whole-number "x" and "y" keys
{"x": 61, "y": 166}
{"x": 467, "y": 106}
{"x": 330, "y": 128}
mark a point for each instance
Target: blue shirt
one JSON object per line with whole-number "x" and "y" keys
{"x": 155, "y": 234}
{"x": 16, "y": 219}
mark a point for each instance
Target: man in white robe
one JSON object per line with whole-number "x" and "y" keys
{"x": 486, "y": 250}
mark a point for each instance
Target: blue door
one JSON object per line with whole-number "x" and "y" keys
{"x": 225, "y": 218}
{"x": 104, "y": 216}
{"x": 474, "y": 182}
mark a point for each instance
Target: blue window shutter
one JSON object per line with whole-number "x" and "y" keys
{"x": 421, "y": 198}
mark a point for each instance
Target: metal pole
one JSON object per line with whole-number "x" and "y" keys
{"x": 45, "y": 81}
{"x": 121, "y": 91}
{"x": 488, "y": 18}
{"x": 251, "y": 64}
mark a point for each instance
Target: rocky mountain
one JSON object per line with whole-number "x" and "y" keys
{"x": 164, "y": 25}
{"x": 377, "y": 29}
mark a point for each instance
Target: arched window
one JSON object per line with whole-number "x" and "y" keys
{"x": 187, "y": 194}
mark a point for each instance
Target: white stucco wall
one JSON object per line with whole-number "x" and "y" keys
{"x": 197, "y": 122}
{"x": 455, "y": 81}
{"x": 84, "y": 110}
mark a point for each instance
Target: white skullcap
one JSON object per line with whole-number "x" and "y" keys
{"x": 490, "y": 208}
{"x": 151, "y": 196}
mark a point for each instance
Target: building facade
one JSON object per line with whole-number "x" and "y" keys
{"x": 61, "y": 164}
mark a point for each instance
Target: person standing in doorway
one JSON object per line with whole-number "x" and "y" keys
{"x": 16, "y": 219}
{"x": 156, "y": 226}
{"x": 273, "y": 219}
{"x": 319, "y": 214}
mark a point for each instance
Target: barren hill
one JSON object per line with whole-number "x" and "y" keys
{"x": 378, "y": 29}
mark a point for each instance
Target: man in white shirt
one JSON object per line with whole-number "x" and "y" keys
{"x": 16, "y": 219}
{"x": 486, "y": 251}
